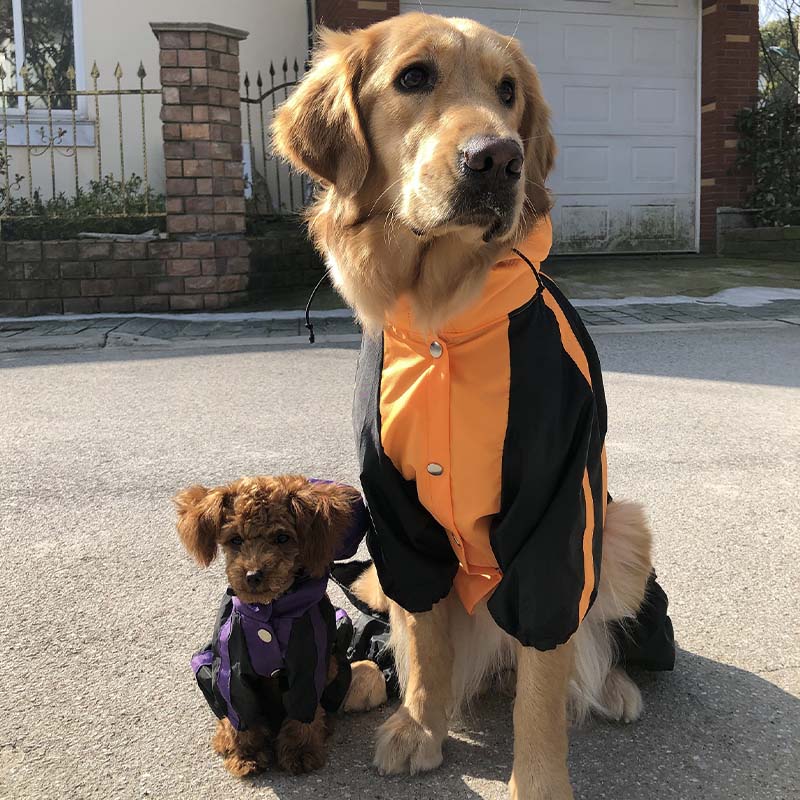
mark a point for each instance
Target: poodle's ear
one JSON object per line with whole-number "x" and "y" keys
{"x": 319, "y": 128}
{"x": 200, "y": 514}
{"x": 536, "y": 134}
{"x": 324, "y": 512}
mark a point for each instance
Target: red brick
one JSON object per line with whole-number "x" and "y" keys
{"x": 150, "y": 303}
{"x": 197, "y": 249}
{"x": 147, "y": 268}
{"x": 97, "y": 288}
{"x": 175, "y": 76}
{"x": 197, "y": 39}
{"x": 194, "y": 130}
{"x": 168, "y": 286}
{"x": 176, "y": 114}
{"x": 35, "y": 307}
{"x": 77, "y": 269}
{"x": 113, "y": 269}
{"x": 183, "y": 302}
{"x": 92, "y": 251}
{"x": 233, "y": 283}
{"x": 81, "y": 305}
{"x": 182, "y": 224}
{"x": 204, "y": 283}
{"x": 192, "y": 58}
{"x": 184, "y": 267}
{"x": 168, "y": 58}
{"x": 60, "y": 251}
{"x": 173, "y": 39}
{"x": 122, "y": 305}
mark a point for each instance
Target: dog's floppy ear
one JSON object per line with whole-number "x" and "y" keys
{"x": 537, "y": 137}
{"x": 319, "y": 129}
{"x": 200, "y": 513}
{"x": 323, "y": 512}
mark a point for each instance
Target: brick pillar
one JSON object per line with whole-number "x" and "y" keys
{"x": 343, "y": 14}
{"x": 729, "y": 83}
{"x": 202, "y": 133}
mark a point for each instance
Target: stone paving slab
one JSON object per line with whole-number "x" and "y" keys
{"x": 66, "y": 333}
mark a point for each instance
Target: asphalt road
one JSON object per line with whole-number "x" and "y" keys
{"x": 102, "y": 608}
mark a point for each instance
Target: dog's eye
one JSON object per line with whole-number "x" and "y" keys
{"x": 506, "y": 92}
{"x": 282, "y": 538}
{"x": 415, "y": 78}
{"x": 237, "y": 541}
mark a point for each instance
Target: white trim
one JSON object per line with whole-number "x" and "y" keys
{"x": 699, "y": 135}
{"x": 78, "y": 58}
{"x": 16, "y": 136}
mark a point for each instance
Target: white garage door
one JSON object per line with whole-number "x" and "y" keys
{"x": 621, "y": 79}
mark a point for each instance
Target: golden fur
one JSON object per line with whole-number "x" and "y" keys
{"x": 384, "y": 219}
{"x": 388, "y": 161}
{"x": 244, "y": 520}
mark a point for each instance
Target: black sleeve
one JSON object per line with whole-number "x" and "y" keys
{"x": 415, "y": 562}
{"x": 538, "y": 537}
{"x": 300, "y": 698}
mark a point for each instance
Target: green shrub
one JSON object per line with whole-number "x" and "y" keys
{"x": 104, "y": 206}
{"x": 769, "y": 149}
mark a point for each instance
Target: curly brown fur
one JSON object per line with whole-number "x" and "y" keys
{"x": 278, "y": 527}
{"x": 300, "y": 746}
{"x": 386, "y": 219}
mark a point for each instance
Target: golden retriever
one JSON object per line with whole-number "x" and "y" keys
{"x": 431, "y": 141}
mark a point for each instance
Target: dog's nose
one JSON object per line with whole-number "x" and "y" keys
{"x": 254, "y": 577}
{"x": 493, "y": 157}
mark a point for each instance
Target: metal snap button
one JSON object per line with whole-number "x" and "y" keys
{"x": 435, "y": 469}
{"x": 436, "y": 349}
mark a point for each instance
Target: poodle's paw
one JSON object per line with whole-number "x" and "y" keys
{"x": 302, "y": 759}
{"x": 367, "y": 688}
{"x": 622, "y": 699}
{"x": 242, "y": 765}
{"x": 405, "y": 746}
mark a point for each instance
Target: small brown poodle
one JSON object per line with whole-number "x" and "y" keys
{"x": 276, "y": 663}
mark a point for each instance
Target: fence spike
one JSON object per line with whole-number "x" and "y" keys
{"x": 95, "y": 73}
{"x": 49, "y": 75}
{"x": 118, "y": 71}
{"x": 141, "y": 73}
{"x": 25, "y": 74}
{"x": 259, "y": 81}
{"x": 271, "y": 69}
{"x": 296, "y": 69}
{"x": 285, "y": 66}
{"x": 70, "y": 73}
{"x": 247, "y": 80}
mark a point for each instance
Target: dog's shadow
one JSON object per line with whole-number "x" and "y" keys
{"x": 708, "y": 731}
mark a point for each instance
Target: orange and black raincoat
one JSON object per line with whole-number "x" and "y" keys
{"x": 482, "y": 454}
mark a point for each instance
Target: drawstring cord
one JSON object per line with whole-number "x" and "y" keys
{"x": 309, "y": 324}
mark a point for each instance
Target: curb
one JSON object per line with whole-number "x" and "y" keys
{"x": 127, "y": 341}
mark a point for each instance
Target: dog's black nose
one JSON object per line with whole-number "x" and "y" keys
{"x": 254, "y": 578}
{"x": 493, "y": 157}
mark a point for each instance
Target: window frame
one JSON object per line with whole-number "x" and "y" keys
{"x": 81, "y": 104}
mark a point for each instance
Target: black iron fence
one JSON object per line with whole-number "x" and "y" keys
{"x": 272, "y": 187}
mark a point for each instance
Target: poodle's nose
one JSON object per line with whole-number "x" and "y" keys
{"x": 254, "y": 578}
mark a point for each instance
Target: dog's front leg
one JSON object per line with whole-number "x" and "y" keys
{"x": 411, "y": 739}
{"x": 540, "y": 725}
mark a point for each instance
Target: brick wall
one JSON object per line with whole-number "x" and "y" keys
{"x": 729, "y": 83}
{"x": 83, "y": 277}
{"x": 343, "y": 14}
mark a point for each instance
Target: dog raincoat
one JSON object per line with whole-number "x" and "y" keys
{"x": 482, "y": 454}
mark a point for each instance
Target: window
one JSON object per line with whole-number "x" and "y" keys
{"x": 38, "y": 34}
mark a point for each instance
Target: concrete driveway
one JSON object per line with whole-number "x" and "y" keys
{"x": 103, "y": 609}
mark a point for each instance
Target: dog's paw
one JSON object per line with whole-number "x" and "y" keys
{"x": 243, "y": 765}
{"x": 300, "y": 760}
{"x": 404, "y": 745}
{"x": 367, "y": 688}
{"x": 622, "y": 700}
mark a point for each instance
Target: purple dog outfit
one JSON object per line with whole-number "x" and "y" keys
{"x": 268, "y": 662}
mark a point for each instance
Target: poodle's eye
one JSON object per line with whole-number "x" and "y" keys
{"x": 237, "y": 541}
{"x": 282, "y": 538}
{"x": 506, "y": 92}
{"x": 416, "y": 78}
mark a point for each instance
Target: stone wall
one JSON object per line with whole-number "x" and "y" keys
{"x": 779, "y": 244}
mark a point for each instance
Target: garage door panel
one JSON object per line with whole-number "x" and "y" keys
{"x": 612, "y": 165}
{"x": 625, "y": 106}
{"x": 615, "y": 224}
